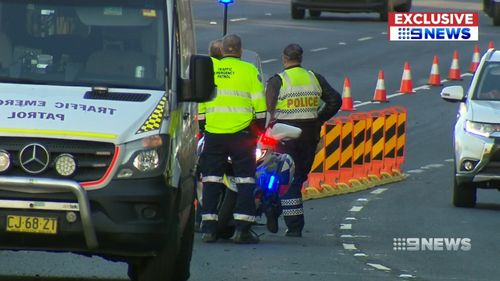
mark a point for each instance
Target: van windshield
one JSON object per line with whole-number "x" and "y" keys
{"x": 112, "y": 43}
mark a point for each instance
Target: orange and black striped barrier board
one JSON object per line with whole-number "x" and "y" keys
{"x": 366, "y": 147}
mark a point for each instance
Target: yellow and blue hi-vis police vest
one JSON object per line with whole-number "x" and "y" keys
{"x": 299, "y": 97}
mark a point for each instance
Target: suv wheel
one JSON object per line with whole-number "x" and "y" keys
{"x": 496, "y": 13}
{"x": 389, "y": 7}
{"x": 297, "y": 13}
{"x": 404, "y": 8}
{"x": 464, "y": 195}
{"x": 314, "y": 14}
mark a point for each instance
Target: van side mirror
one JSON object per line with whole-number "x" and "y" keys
{"x": 200, "y": 86}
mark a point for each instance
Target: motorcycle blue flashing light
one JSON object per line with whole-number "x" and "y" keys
{"x": 271, "y": 182}
{"x": 226, "y": 2}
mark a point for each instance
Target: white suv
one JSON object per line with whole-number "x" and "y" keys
{"x": 477, "y": 131}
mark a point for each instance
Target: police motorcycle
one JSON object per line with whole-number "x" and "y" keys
{"x": 273, "y": 175}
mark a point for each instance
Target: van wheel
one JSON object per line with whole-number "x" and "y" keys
{"x": 314, "y": 14}
{"x": 496, "y": 13}
{"x": 173, "y": 256}
{"x": 464, "y": 195}
{"x": 487, "y": 7}
{"x": 389, "y": 7}
{"x": 297, "y": 13}
{"x": 159, "y": 267}
{"x": 404, "y": 8}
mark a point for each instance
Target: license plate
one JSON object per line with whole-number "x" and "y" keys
{"x": 29, "y": 224}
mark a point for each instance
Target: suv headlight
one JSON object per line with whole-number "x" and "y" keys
{"x": 144, "y": 157}
{"x": 481, "y": 129}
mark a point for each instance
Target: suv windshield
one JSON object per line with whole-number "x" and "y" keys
{"x": 489, "y": 83}
{"x": 112, "y": 43}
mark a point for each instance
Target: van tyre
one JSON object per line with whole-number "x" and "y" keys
{"x": 404, "y": 8}
{"x": 464, "y": 195}
{"x": 496, "y": 13}
{"x": 173, "y": 256}
{"x": 314, "y": 13}
{"x": 389, "y": 7}
{"x": 297, "y": 13}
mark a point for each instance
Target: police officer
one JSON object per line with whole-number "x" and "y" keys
{"x": 238, "y": 106}
{"x": 293, "y": 97}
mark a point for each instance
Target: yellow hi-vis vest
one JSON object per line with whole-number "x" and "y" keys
{"x": 239, "y": 98}
{"x": 299, "y": 96}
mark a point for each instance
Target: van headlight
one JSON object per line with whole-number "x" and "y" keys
{"x": 481, "y": 129}
{"x": 144, "y": 157}
{"x": 147, "y": 160}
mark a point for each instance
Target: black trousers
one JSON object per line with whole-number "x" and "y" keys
{"x": 302, "y": 151}
{"x": 240, "y": 147}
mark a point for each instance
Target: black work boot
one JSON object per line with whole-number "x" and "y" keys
{"x": 272, "y": 219}
{"x": 209, "y": 229}
{"x": 245, "y": 237}
{"x": 293, "y": 233}
{"x": 209, "y": 237}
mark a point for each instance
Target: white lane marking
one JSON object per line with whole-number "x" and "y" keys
{"x": 466, "y": 74}
{"x": 379, "y": 266}
{"x": 319, "y": 49}
{"x": 350, "y": 219}
{"x": 268, "y": 61}
{"x": 356, "y": 208}
{"x": 449, "y": 160}
{"x": 360, "y": 255}
{"x": 238, "y": 19}
{"x": 378, "y": 190}
{"x": 330, "y": 235}
{"x": 362, "y": 199}
{"x": 365, "y": 38}
{"x": 363, "y": 103}
{"x": 423, "y": 87}
{"x": 345, "y": 226}
{"x": 213, "y": 22}
{"x": 384, "y": 33}
{"x": 432, "y": 166}
{"x": 349, "y": 246}
{"x": 354, "y": 236}
{"x": 268, "y": 14}
{"x": 342, "y": 43}
{"x": 417, "y": 171}
{"x": 444, "y": 80}
{"x": 406, "y": 276}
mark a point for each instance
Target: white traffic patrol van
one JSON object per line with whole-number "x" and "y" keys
{"x": 97, "y": 130}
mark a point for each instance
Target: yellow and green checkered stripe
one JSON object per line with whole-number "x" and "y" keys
{"x": 155, "y": 118}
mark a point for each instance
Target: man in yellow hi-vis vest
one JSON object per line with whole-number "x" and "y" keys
{"x": 238, "y": 106}
{"x": 293, "y": 97}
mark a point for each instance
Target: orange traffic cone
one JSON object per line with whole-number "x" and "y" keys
{"x": 475, "y": 59}
{"x": 435, "y": 77}
{"x": 346, "y": 96}
{"x": 380, "y": 94}
{"x": 406, "y": 83}
{"x": 491, "y": 45}
{"x": 454, "y": 73}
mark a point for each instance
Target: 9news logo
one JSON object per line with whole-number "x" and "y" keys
{"x": 433, "y": 26}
